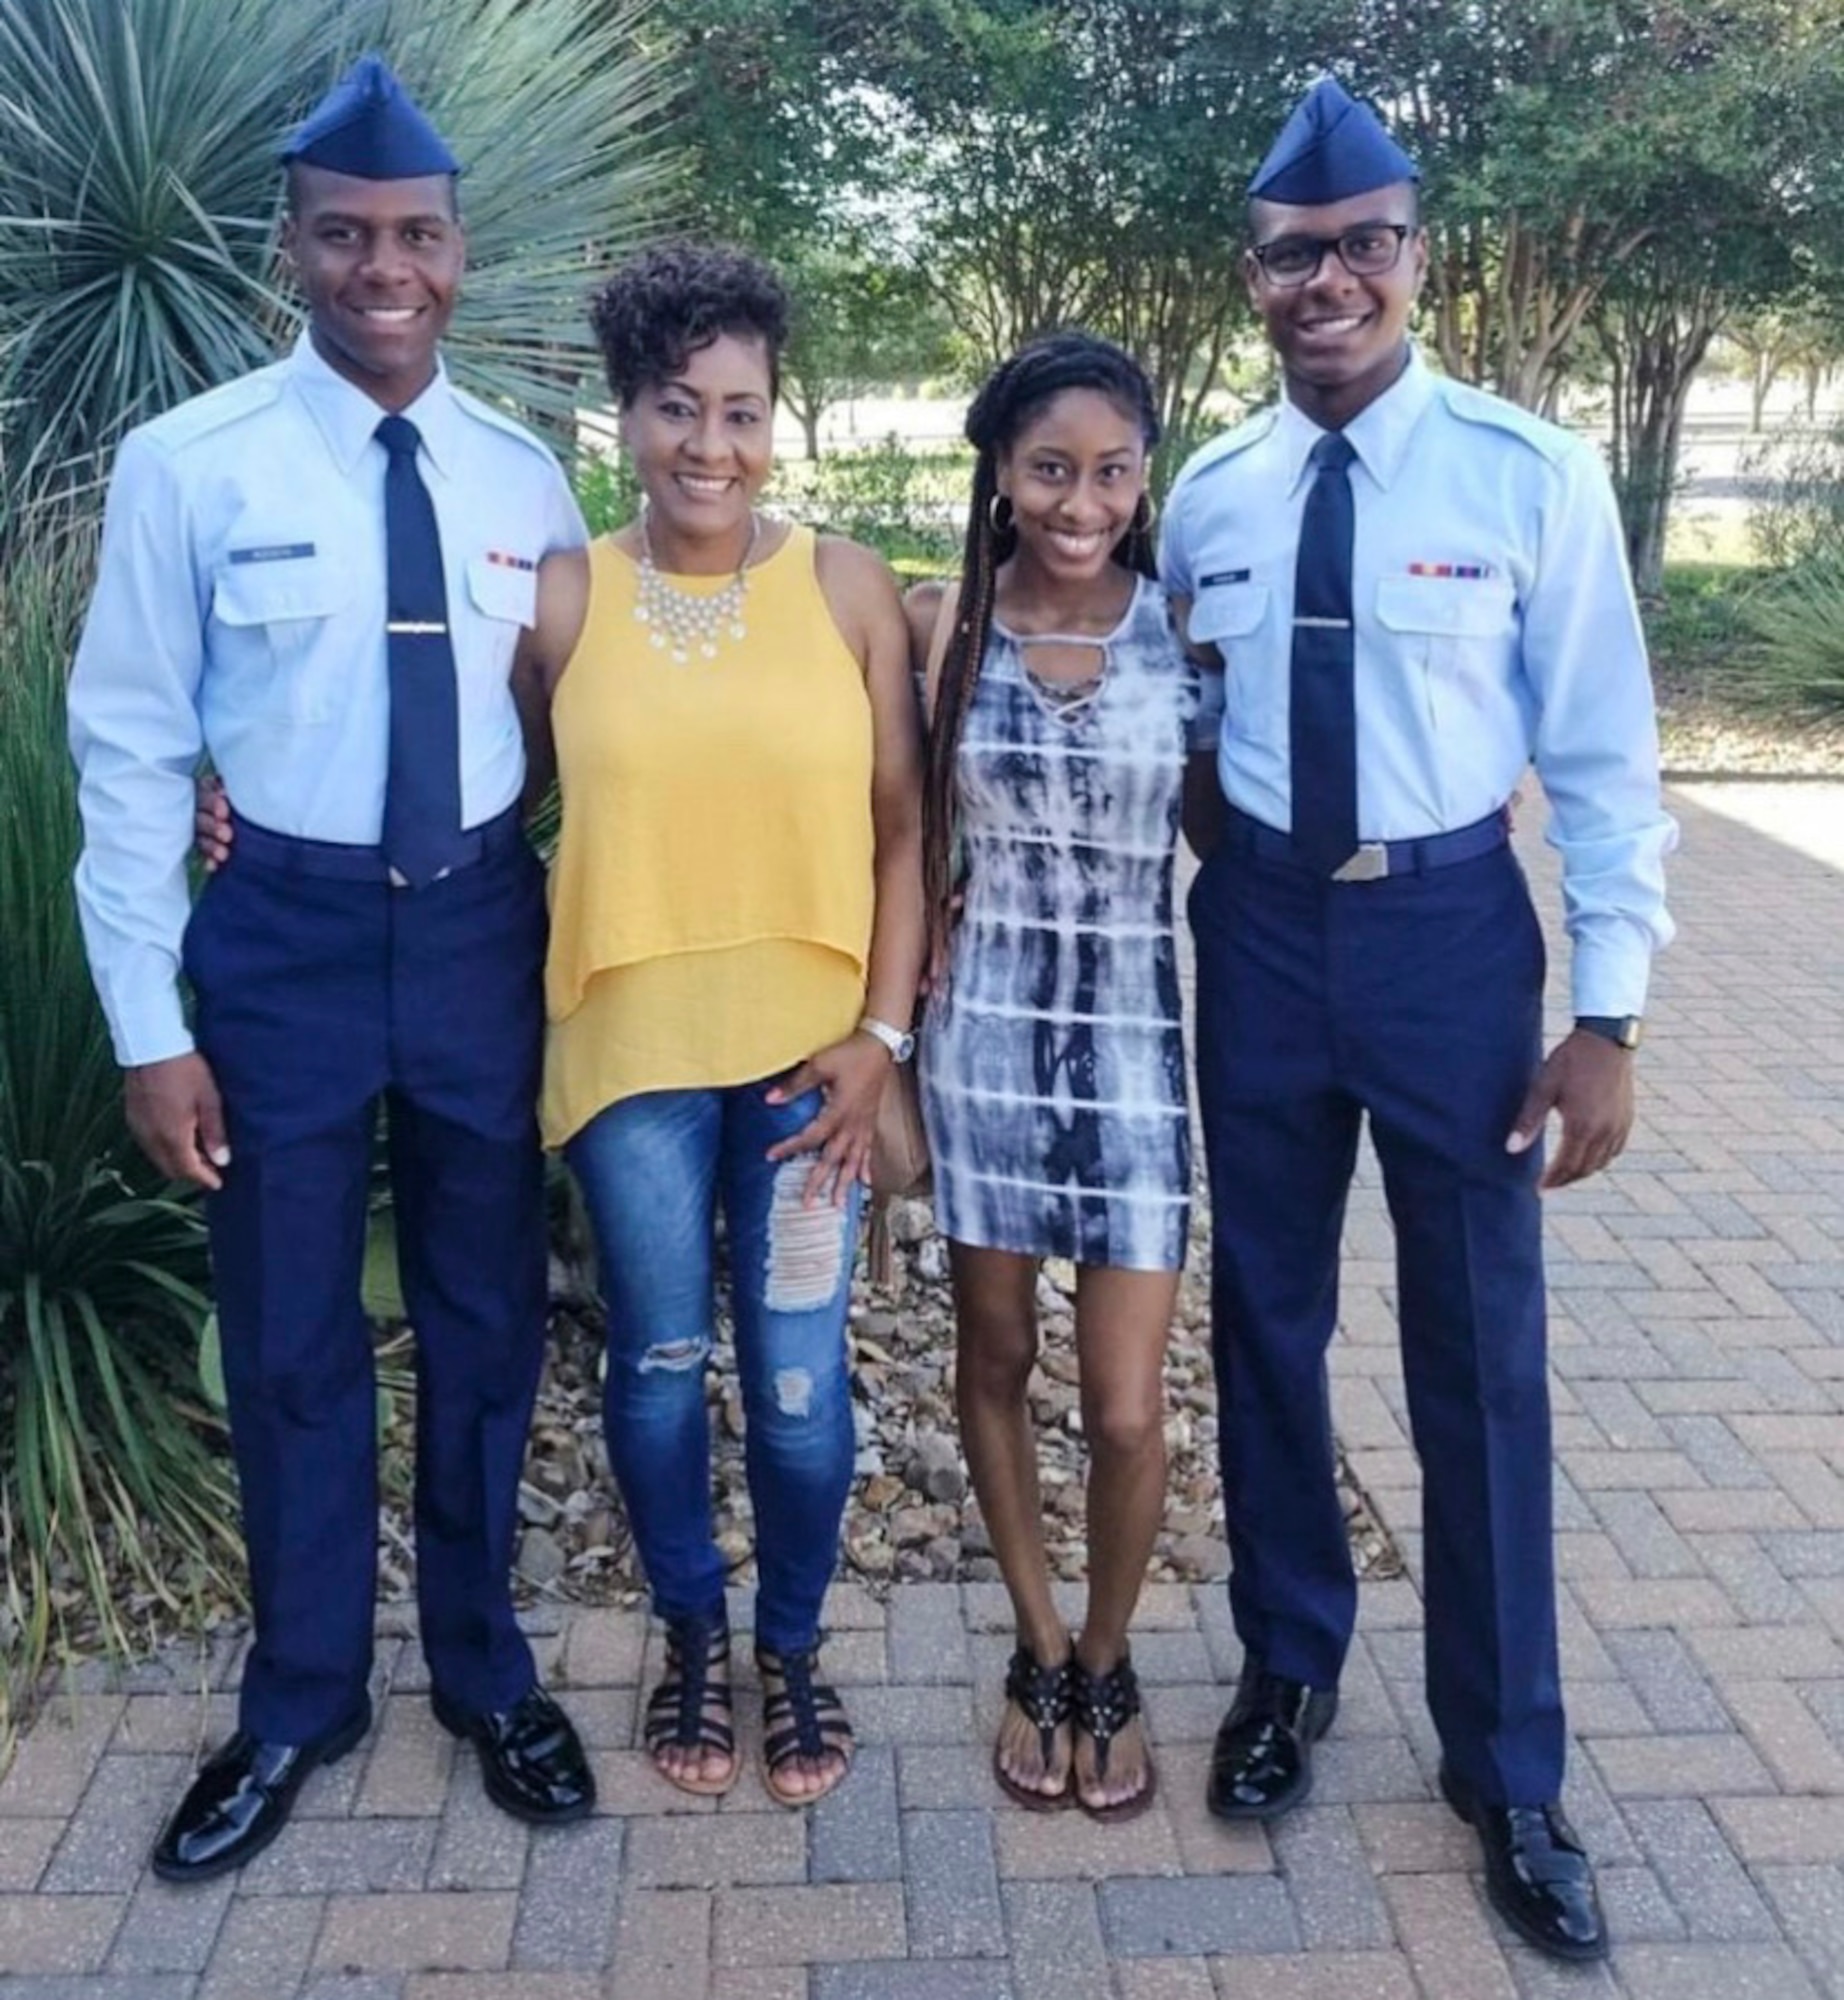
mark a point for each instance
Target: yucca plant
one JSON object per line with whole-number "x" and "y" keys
{"x": 139, "y": 196}
{"x": 1797, "y": 661}
{"x": 107, "y": 1475}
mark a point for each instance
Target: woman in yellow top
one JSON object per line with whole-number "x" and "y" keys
{"x": 735, "y": 944}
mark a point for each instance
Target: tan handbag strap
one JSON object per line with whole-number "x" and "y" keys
{"x": 946, "y": 613}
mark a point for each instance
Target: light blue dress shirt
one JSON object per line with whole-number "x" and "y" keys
{"x": 1495, "y": 628}
{"x": 239, "y": 612}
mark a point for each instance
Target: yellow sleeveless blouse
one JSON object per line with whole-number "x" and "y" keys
{"x": 712, "y": 897}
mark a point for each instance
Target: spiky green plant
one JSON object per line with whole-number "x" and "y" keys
{"x": 106, "y": 1474}
{"x": 1797, "y": 661}
{"x": 139, "y": 196}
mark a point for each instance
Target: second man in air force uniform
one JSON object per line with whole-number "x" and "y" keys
{"x": 1416, "y": 590}
{"x": 317, "y": 575}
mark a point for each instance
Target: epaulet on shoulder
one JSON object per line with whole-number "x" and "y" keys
{"x": 1230, "y": 445}
{"x": 1479, "y": 406}
{"x": 497, "y": 420}
{"x": 200, "y": 416}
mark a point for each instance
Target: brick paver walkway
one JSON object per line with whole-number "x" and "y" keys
{"x": 1699, "y": 1373}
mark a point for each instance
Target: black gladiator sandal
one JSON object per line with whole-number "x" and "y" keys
{"x": 802, "y": 1717}
{"x": 1101, "y": 1706}
{"x": 1042, "y": 1696}
{"x": 689, "y": 1710}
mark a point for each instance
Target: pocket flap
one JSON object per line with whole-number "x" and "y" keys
{"x": 270, "y": 593}
{"x": 1228, "y": 611}
{"x": 1480, "y": 608}
{"x": 501, "y": 591}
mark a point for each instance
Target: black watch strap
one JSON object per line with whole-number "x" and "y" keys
{"x": 1626, "y": 1031}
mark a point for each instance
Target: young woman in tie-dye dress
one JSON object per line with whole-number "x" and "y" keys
{"x": 1052, "y": 1051}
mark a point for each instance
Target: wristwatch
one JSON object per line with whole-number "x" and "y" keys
{"x": 900, "y": 1044}
{"x": 1625, "y": 1031}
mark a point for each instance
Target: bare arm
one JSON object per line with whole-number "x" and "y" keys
{"x": 1202, "y": 810}
{"x": 543, "y": 653}
{"x": 852, "y": 1073}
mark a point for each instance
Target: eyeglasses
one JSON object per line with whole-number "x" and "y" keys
{"x": 1366, "y": 251}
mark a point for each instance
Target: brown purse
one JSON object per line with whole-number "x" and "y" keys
{"x": 899, "y": 1146}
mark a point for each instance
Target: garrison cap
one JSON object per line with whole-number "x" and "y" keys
{"x": 369, "y": 126}
{"x": 1332, "y": 147}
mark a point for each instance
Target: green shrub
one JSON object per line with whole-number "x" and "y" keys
{"x": 607, "y": 491}
{"x": 1697, "y": 627}
{"x": 1801, "y": 510}
{"x": 1797, "y": 661}
{"x": 911, "y": 506}
{"x": 110, "y": 1490}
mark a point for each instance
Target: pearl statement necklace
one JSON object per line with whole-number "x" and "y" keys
{"x": 679, "y": 619}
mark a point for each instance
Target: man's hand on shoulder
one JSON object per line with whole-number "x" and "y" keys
{"x": 1588, "y": 1081}
{"x": 177, "y": 1118}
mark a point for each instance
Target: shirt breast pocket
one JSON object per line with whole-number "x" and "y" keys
{"x": 1457, "y": 635}
{"x": 1233, "y": 617}
{"x": 274, "y": 619}
{"x": 503, "y": 592}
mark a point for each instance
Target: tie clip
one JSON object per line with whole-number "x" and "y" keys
{"x": 414, "y": 626}
{"x": 1329, "y": 624}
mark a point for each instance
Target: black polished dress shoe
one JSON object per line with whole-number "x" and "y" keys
{"x": 1263, "y": 1759}
{"x": 241, "y": 1800}
{"x": 531, "y": 1759}
{"x": 1537, "y": 1874}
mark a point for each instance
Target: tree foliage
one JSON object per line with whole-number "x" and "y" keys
{"x": 1609, "y": 182}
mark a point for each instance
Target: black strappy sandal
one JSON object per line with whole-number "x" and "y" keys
{"x": 1042, "y": 1696}
{"x": 1101, "y": 1706}
{"x": 802, "y": 1717}
{"x": 691, "y": 1710}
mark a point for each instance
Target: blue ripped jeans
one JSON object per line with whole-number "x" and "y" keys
{"x": 653, "y": 1170}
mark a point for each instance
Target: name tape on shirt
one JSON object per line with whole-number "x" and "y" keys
{"x": 500, "y": 559}
{"x": 1459, "y": 572}
{"x": 1224, "y": 576}
{"x": 269, "y": 552}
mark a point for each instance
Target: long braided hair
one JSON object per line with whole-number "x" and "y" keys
{"x": 1011, "y": 396}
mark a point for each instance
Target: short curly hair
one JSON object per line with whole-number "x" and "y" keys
{"x": 663, "y": 304}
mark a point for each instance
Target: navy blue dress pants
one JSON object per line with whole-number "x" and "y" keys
{"x": 317, "y": 999}
{"x": 1415, "y": 1002}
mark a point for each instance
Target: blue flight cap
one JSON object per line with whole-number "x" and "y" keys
{"x": 1331, "y": 148}
{"x": 369, "y": 126}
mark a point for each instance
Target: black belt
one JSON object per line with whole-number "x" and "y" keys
{"x": 343, "y": 862}
{"x": 1373, "y": 860}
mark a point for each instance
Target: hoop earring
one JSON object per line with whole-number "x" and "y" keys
{"x": 999, "y": 514}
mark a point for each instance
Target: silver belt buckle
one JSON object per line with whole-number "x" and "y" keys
{"x": 1369, "y": 864}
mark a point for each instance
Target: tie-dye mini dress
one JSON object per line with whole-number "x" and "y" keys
{"x": 1053, "y": 1067}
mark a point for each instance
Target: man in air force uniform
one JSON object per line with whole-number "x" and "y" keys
{"x": 317, "y": 575}
{"x": 1415, "y": 590}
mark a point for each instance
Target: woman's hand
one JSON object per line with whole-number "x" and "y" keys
{"x": 850, "y": 1075}
{"x": 211, "y": 823}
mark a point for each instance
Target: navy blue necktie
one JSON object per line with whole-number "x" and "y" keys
{"x": 1323, "y": 717}
{"x": 422, "y": 793}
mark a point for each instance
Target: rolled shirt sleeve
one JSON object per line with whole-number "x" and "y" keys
{"x": 136, "y": 737}
{"x": 1596, "y": 742}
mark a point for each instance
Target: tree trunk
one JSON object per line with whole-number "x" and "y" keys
{"x": 807, "y": 413}
{"x": 1656, "y": 350}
